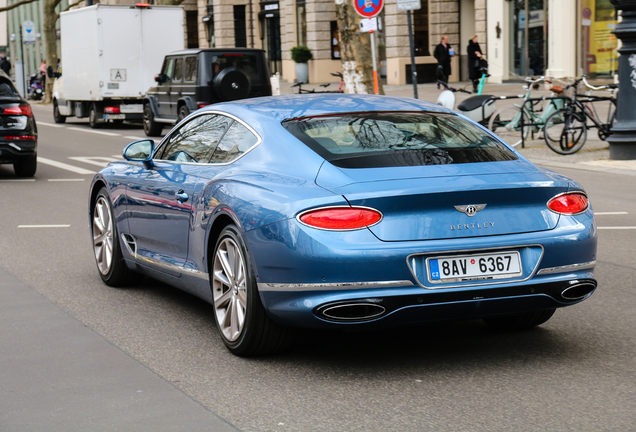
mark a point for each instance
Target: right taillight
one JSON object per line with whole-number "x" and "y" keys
{"x": 571, "y": 203}
{"x": 341, "y": 218}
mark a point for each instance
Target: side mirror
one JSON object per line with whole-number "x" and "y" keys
{"x": 158, "y": 78}
{"x": 161, "y": 78}
{"x": 140, "y": 151}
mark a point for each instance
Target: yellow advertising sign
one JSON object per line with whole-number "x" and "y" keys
{"x": 598, "y": 22}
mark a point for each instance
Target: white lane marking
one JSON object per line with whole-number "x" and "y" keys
{"x": 49, "y": 124}
{"x": 118, "y": 157}
{"x": 94, "y": 160}
{"x": 135, "y": 138}
{"x": 64, "y": 166}
{"x": 609, "y": 213}
{"x": 17, "y": 180}
{"x": 93, "y": 131}
{"x": 618, "y": 228}
{"x": 43, "y": 226}
{"x": 65, "y": 180}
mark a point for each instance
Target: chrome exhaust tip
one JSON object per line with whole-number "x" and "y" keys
{"x": 351, "y": 311}
{"x": 578, "y": 290}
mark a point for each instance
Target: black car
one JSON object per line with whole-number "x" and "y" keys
{"x": 18, "y": 131}
{"x": 192, "y": 79}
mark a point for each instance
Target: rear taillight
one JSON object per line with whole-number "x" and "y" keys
{"x": 570, "y": 203}
{"x": 19, "y": 110}
{"x": 340, "y": 218}
{"x": 20, "y": 138}
{"x": 202, "y": 104}
{"x": 112, "y": 110}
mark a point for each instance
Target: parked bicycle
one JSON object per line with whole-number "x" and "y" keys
{"x": 565, "y": 131}
{"x": 515, "y": 124}
{"x": 301, "y": 90}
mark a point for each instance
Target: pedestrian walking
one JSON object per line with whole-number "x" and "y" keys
{"x": 474, "y": 61}
{"x": 43, "y": 72}
{"x": 5, "y": 65}
{"x": 443, "y": 53}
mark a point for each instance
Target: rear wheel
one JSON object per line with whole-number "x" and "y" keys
{"x": 240, "y": 316}
{"x": 151, "y": 127}
{"x": 519, "y": 321}
{"x": 26, "y": 167}
{"x": 106, "y": 246}
{"x": 92, "y": 117}
{"x": 183, "y": 112}
{"x": 506, "y": 123}
{"x": 57, "y": 118}
{"x": 565, "y": 132}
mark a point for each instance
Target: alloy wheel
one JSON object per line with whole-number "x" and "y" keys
{"x": 103, "y": 235}
{"x": 229, "y": 286}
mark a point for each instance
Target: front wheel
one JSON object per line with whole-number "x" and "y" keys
{"x": 57, "y": 117}
{"x": 151, "y": 127}
{"x": 240, "y": 316}
{"x": 183, "y": 112}
{"x": 565, "y": 132}
{"x": 506, "y": 123}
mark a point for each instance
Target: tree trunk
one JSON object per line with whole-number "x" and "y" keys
{"x": 355, "y": 50}
{"x": 50, "y": 38}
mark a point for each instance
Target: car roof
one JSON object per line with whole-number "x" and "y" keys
{"x": 295, "y": 106}
{"x": 213, "y": 50}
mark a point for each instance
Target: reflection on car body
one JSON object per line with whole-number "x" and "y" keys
{"x": 334, "y": 211}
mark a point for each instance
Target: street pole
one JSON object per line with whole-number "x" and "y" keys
{"x": 622, "y": 141}
{"x": 375, "y": 71}
{"x": 411, "y": 43}
{"x": 24, "y": 94}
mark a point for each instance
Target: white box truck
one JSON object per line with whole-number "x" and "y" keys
{"x": 110, "y": 56}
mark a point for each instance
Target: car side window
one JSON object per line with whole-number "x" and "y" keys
{"x": 167, "y": 69}
{"x": 191, "y": 65}
{"x": 178, "y": 70}
{"x": 196, "y": 140}
{"x": 235, "y": 142}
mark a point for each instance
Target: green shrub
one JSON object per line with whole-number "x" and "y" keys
{"x": 301, "y": 54}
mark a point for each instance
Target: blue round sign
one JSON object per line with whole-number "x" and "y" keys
{"x": 368, "y": 8}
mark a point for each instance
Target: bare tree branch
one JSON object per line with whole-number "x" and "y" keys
{"x": 15, "y": 5}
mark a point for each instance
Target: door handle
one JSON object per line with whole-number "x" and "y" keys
{"x": 182, "y": 196}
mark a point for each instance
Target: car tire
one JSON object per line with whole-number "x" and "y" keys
{"x": 26, "y": 167}
{"x": 183, "y": 112}
{"x": 151, "y": 127}
{"x": 235, "y": 297}
{"x": 519, "y": 321}
{"x": 57, "y": 118}
{"x": 106, "y": 246}
{"x": 92, "y": 117}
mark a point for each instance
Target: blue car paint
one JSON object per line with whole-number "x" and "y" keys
{"x": 263, "y": 191}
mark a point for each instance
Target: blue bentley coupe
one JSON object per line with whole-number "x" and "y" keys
{"x": 342, "y": 211}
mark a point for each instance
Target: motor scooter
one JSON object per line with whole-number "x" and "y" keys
{"x": 35, "y": 87}
{"x": 478, "y": 108}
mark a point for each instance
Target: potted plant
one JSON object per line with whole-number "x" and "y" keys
{"x": 301, "y": 55}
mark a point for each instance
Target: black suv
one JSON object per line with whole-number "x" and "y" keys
{"x": 18, "y": 131}
{"x": 192, "y": 79}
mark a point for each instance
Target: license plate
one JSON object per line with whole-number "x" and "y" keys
{"x": 131, "y": 108}
{"x": 498, "y": 265}
{"x": 114, "y": 117}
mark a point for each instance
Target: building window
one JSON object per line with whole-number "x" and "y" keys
{"x": 301, "y": 22}
{"x": 599, "y": 45}
{"x": 240, "y": 33}
{"x": 420, "y": 30}
{"x": 192, "y": 18}
{"x": 335, "y": 41}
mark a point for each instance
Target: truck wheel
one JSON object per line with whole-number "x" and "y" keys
{"x": 151, "y": 127}
{"x": 26, "y": 167}
{"x": 92, "y": 117}
{"x": 57, "y": 118}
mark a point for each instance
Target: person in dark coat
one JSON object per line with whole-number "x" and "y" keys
{"x": 5, "y": 65}
{"x": 443, "y": 53}
{"x": 474, "y": 57}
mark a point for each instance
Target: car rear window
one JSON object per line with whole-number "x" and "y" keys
{"x": 247, "y": 63}
{"x": 390, "y": 139}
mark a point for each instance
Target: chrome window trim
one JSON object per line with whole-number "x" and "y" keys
{"x": 292, "y": 287}
{"x": 470, "y": 284}
{"x": 565, "y": 268}
{"x": 190, "y": 118}
{"x": 338, "y": 206}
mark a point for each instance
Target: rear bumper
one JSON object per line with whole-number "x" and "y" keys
{"x": 10, "y": 154}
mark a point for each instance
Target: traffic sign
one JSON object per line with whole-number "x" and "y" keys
{"x": 406, "y": 5}
{"x": 368, "y": 8}
{"x": 28, "y": 32}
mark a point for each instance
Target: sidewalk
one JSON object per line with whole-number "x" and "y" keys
{"x": 594, "y": 156}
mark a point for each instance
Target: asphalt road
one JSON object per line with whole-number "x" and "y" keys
{"x": 575, "y": 373}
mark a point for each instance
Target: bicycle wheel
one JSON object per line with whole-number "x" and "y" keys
{"x": 565, "y": 132}
{"x": 506, "y": 123}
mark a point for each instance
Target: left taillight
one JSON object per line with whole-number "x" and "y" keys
{"x": 19, "y": 110}
{"x": 112, "y": 110}
{"x": 571, "y": 203}
{"x": 340, "y": 218}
